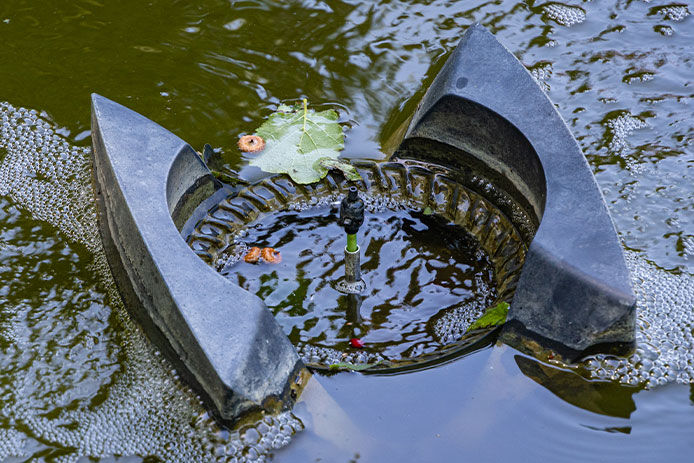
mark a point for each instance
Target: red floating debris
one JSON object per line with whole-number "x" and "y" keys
{"x": 356, "y": 342}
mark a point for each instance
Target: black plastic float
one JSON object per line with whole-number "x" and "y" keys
{"x": 222, "y": 339}
{"x": 485, "y": 120}
{"x": 574, "y": 293}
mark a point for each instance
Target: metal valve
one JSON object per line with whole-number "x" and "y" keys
{"x": 352, "y": 212}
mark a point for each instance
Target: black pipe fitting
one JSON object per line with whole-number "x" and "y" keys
{"x": 351, "y": 211}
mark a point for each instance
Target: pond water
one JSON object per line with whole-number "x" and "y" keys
{"x": 426, "y": 281}
{"x": 80, "y": 382}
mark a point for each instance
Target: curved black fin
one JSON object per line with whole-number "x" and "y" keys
{"x": 221, "y": 338}
{"x": 574, "y": 291}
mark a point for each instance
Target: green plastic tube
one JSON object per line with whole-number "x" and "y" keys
{"x": 352, "y": 243}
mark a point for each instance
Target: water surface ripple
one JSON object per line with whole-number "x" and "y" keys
{"x": 81, "y": 381}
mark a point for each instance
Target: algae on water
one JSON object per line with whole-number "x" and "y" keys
{"x": 493, "y": 316}
{"x": 344, "y": 366}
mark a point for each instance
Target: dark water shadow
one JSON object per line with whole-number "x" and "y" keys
{"x": 602, "y": 397}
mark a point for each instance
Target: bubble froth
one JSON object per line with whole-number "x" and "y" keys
{"x": 674, "y": 12}
{"x": 565, "y": 15}
{"x": 664, "y": 334}
{"x": 46, "y": 176}
{"x": 11, "y": 444}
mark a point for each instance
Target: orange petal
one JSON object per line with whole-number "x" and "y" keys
{"x": 251, "y": 143}
{"x": 271, "y": 256}
{"x": 252, "y": 255}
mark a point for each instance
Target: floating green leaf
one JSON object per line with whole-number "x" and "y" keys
{"x": 346, "y": 168}
{"x": 493, "y": 316}
{"x": 352, "y": 366}
{"x": 298, "y": 141}
{"x": 428, "y": 211}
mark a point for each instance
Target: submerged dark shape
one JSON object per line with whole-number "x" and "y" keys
{"x": 485, "y": 115}
{"x": 603, "y": 397}
{"x": 222, "y": 339}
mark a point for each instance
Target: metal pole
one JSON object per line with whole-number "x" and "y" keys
{"x": 352, "y": 265}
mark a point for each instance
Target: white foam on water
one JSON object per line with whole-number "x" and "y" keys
{"x": 688, "y": 245}
{"x": 453, "y": 325}
{"x": 618, "y": 130}
{"x": 664, "y": 334}
{"x": 328, "y": 356}
{"x": 542, "y": 70}
{"x": 47, "y": 176}
{"x": 674, "y": 12}
{"x": 565, "y": 15}
{"x": 664, "y": 29}
{"x": 11, "y": 443}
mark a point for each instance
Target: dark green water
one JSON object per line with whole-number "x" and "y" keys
{"x": 80, "y": 381}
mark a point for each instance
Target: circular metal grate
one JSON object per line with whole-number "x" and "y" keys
{"x": 468, "y": 202}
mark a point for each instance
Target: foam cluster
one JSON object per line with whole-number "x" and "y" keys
{"x": 565, "y": 15}
{"x": 47, "y": 176}
{"x": 638, "y": 76}
{"x": 453, "y": 325}
{"x": 665, "y": 330}
{"x": 541, "y": 71}
{"x": 11, "y": 443}
{"x": 617, "y": 131}
{"x": 688, "y": 245}
{"x": 320, "y": 355}
{"x": 673, "y": 12}
{"x": 664, "y": 29}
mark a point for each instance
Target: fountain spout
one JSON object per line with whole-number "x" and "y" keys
{"x": 351, "y": 218}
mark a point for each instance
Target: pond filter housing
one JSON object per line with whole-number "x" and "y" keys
{"x": 484, "y": 116}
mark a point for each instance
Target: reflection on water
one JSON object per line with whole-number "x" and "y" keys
{"x": 417, "y": 269}
{"x": 80, "y": 380}
{"x": 604, "y": 397}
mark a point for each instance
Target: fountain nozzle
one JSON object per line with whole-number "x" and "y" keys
{"x": 351, "y": 218}
{"x": 352, "y": 212}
